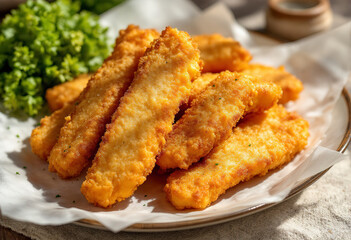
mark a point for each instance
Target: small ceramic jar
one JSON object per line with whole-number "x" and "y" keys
{"x": 295, "y": 19}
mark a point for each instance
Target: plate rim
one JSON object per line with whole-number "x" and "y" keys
{"x": 197, "y": 223}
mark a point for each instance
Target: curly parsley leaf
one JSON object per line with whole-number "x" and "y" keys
{"x": 43, "y": 44}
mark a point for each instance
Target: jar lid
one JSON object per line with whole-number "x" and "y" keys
{"x": 299, "y": 8}
{"x": 294, "y": 19}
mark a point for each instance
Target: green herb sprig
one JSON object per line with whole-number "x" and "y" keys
{"x": 43, "y": 44}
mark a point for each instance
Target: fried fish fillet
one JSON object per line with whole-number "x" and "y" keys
{"x": 258, "y": 144}
{"x": 61, "y": 94}
{"x": 219, "y": 53}
{"x": 82, "y": 131}
{"x": 143, "y": 119}
{"x": 290, "y": 85}
{"x": 44, "y": 137}
{"x": 212, "y": 115}
{"x": 201, "y": 83}
{"x": 61, "y": 100}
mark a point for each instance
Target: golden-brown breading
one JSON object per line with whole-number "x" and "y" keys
{"x": 212, "y": 115}
{"x": 143, "y": 119}
{"x": 290, "y": 85}
{"x": 44, "y": 137}
{"x": 201, "y": 83}
{"x": 61, "y": 100}
{"x": 81, "y": 134}
{"x": 61, "y": 94}
{"x": 219, "y": 53}
{"x": 259, "y": 143}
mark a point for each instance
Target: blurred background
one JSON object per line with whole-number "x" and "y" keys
{"x": 251, "y": 14}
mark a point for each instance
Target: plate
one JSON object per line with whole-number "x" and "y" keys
{"x": 341, "y": 119}
{"x": 29, "y": 173}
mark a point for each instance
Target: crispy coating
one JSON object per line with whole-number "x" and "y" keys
{"x": 261, "y": 142}
{"x": 290, "y": 85}
{"x": 201, "y": 83}
{"x": 212, "y": 115}
{"x": 219, "y": 53}
{"x": 143, "y": 119}
{"x": 79, "y": 137}
{"x": 44, "y": 137}
{"x": 64, "y": 93}
{"x": 61, "y": 100}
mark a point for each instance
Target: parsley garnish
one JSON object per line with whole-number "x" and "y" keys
{"x": 58, "y": 195}
{"x": 43, "y": 44}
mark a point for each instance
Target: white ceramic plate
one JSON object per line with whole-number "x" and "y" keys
{"x": 341, "y": 121}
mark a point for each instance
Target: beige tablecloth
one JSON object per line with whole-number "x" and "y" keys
{"x": 322, "y": 211}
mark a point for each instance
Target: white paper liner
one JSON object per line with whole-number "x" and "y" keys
{"x": 29, "y": 192}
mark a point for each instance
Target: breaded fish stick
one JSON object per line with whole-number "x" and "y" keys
{"x": 212, "y": 116}
{"x": 259, "y": 143}
{"x": 143, "y": 119}
{"x": 201, "y": 83}
{"x": 81, "y": 134}
{"x": 61, "y": 94}
{"x": 290, "y": 85}
{"x": 198, "y": 86}
{"x": 219, "y": 53}
{"x": 67, "y": 92}
{"x": 61, "y": 100}
{"x": 44, "y": 137}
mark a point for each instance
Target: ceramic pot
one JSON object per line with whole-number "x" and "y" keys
{"x": 295, "y": 19}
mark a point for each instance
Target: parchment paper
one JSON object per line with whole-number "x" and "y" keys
{"x": 29, "y": 192}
